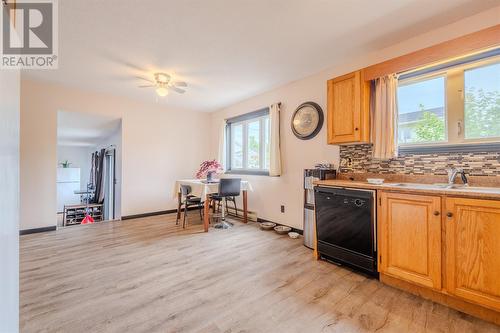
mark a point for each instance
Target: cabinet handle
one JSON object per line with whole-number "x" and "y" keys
{"x": 356, "y": 129}
{"x": 436, "y": 213}
{"x": 449, "y": 214}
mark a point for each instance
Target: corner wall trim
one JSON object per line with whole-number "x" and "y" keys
{"x": 37, "y": 230}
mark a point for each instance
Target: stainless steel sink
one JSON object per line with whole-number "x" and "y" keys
{"x": 495, "y": 190}
{"x": 416, "y": 185}
{"x": 439, "y": 186}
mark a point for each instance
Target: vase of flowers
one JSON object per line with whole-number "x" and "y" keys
{"x": 208, "y": 169}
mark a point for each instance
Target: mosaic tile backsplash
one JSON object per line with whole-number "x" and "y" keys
{"x": 474, "y": 164}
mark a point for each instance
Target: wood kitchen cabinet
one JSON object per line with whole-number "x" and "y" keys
{"x": 409, "y": 233}
{"x": 348, "y": 115}
{"x": 462, "y": 270}
{"x": 473, "y": 250}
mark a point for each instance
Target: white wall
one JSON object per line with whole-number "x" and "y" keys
{"x": 9, "y": 200}
{"x": 159, "y": 145}
{"x": 286, "y": 190}
{"x": 79, "y": 157}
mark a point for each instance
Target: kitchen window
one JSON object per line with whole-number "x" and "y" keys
{"x": 451, "y": 107}
{"x": 247, "y": 143}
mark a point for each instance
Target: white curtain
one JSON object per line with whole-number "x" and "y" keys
{"x": 274, "y": 140}
{"x": 221, "y": 156}
{"x": 384, "y": 118}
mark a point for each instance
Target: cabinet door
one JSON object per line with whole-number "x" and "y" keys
{"x": 473, "y": 250}
{"x": 348, "y": 109}
{"x": 410, "y": 238}
{"x": 343, "y": 109}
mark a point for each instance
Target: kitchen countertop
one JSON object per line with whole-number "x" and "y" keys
{"x": 416, "y": 188}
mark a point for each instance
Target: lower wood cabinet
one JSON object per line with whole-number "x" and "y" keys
{"x": 464, "y": 265}
{"x": 473, "y": 250}
{"x": 410, "y": 237}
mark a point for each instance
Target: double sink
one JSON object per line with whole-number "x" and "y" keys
{"x": 441, "y": 186}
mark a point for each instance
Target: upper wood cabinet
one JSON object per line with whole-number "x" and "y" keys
{"x": 348, "y": 109}
{"x": 473, "y": 250}
{"x": 410, "y": 238}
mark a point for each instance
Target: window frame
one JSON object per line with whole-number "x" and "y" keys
{"x": 471, "y": 66}
{"x": 419, "y": 79}
{"x": 454, "y": 107}
{"x": 260, "y": 115}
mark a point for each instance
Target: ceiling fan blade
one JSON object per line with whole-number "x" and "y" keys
{"x": 146, "y": 86}
{"x": 179, "y": 90}
{"x": 143, "y": 78}
{"x": 180, "y": 84}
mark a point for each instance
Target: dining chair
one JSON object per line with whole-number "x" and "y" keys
{"x": 188, "y": 200}
{"x": 228, "y": 187}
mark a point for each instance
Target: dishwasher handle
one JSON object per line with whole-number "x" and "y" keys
{"x": 348, "y": 192}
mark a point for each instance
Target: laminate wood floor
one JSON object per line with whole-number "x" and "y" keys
{"x": 149, "y": 275}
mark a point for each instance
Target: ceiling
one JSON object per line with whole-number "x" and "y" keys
{"x": 84, "y": 129}
{"x": 229, "y": 50}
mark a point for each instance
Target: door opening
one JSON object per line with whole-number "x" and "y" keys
{"x": 89, "y": 168}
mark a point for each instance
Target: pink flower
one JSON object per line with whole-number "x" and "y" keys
{"x": 208, "y": 166}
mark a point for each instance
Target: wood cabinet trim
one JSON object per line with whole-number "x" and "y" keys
{"x": 440, "y": 296}
{"x": 476, "y": 41}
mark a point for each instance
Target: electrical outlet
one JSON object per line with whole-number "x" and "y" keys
{"x": 282, "y": 208}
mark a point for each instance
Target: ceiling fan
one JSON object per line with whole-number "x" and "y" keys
{"x": 163, "y": 83}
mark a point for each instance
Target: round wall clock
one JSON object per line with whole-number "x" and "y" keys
{"x": 307, "y": 120}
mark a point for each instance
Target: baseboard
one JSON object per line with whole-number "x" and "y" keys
{"x": 299, "y": 231}
{"x": 138, "y": 216}
{"x": 161, "y": 212}
{"x": 37, "y": 230}
{"x": 443, "y": 298}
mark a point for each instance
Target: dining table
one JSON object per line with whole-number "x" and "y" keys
{"x": 201, "y": 188}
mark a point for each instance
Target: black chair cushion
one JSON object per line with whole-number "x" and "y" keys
{"x": 229, "y": 187}
{"x": 193, "y": 199}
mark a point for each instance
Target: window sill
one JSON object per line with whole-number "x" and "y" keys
{"x": 457, "y": 148}
{"x": 247, "y": 172}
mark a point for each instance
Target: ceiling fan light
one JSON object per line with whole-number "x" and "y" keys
{"x": 162, "y": 78}
{"x": 162, "y": 91}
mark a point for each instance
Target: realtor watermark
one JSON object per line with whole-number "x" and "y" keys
{"x": 29, "y": 34}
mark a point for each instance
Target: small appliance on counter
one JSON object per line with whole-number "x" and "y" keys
{"x": 322, "y": 172}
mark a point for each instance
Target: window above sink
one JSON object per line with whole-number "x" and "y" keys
{"x": 454, "y": 105}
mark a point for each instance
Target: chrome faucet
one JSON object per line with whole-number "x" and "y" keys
{"x": 453, "y": 172}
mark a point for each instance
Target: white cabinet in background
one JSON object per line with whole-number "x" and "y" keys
{"x": 68, "y": 181}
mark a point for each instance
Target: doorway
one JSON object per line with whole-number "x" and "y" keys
{"x": 89, "y": 168}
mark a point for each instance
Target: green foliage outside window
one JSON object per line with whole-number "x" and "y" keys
{"x": 482, "y": 114}
{"x": 430, "y": 128}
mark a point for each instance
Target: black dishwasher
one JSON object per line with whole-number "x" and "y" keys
{"x": 346, "y": 227}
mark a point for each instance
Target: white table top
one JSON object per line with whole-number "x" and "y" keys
{"x": 200, "y": 188}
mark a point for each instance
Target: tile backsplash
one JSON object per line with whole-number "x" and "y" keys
{"x": 474, "y": 164}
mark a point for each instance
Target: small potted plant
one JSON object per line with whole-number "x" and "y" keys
{"x": 65, "y": 164}
{"x": 208, "y": 169}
